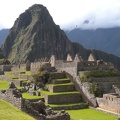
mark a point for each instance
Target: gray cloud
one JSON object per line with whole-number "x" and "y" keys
{"x": 67, "y": 13}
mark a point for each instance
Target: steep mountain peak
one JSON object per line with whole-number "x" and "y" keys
{"x": 35, "y": 35}
{"x": 33, "y": 14}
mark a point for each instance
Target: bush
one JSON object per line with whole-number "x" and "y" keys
{"x": 42, "y": 75}
{"x": 99, "y": 73}
{"x": 4, "y": 62}
{"x": 94, "y": 89}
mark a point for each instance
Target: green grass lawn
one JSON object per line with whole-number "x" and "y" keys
{"x": 30, "y": 97}
{"x": 65, "y": 104}
{"x": 90, "y": 114}
{"x": 9, "y": 112}
{"x": 61, "y": 79}
{"x": 11, "y": 76}
{"x": 4, "y": 84}
{"x": 64, "y": 84}
{"x": 57, "y": 93}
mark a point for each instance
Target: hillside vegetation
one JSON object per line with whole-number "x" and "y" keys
{"x": 9, "y": 112}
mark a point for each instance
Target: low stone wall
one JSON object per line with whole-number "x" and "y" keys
{"x": 27, "y": 77}
{"x": 9, "y": 96}
{"x": 61, "y": 88}
{"x": 57, "y": 75}
{"x": 4, "y": 77}
{"x": 64, "y": 98}
{"x": 5, "y": 67}
{"x": 20, "y": 67}
{"x": 74, "y": 107}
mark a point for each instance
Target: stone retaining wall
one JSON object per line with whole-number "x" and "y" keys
{"x": 74, "y": 107}
{"x": 10, "y": 97}
{"x": 64, "y": 98}
{"x": 61, "y": 88}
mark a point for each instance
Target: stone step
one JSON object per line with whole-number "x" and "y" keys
{"x": 17, "y": 73}
{"x": 24, "y": 76}
{"x": 7, "y": 72}
{"x": 61, "y": 97}
{"x": 60, "y": 81}
{"x": 61, "y": 87}
{"x": 57, "y": 75}
{"x": 71, "y": 106}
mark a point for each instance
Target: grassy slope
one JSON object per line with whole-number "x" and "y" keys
{"x": 9, "y": 112}
{"x": 89, "y": 114}
{"x": 4, "y": 84}
{"x": 30, "y": 97}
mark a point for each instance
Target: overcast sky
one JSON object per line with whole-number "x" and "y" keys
{"x": 66, "y": 13}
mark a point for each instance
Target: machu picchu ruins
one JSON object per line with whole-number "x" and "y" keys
{"x": 67, "y": 82}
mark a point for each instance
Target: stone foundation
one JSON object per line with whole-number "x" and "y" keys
{"x": 61, "y": 88}
{"x": 62, "y": 98}
{"x": 110, "y": 102}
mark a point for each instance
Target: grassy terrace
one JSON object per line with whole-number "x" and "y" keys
{"x": 61, "y": 79}
{"x": 9, "y": 112}
{"x": 30, "y": 97}
{"x": 57, "y": 93}
{"x": 60, "y": 84}
{"x": 11, "y": 76}
{"x": 90, "y": 114}
{"x": 66, "y": 104}
{"x": 4, "y": 84}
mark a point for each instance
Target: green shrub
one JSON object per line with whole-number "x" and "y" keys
{"x": 4, "y": 62}
{"x": 100, "y": 73}
{"x": 42, "y": 75}
{"x": 94, "y": 89}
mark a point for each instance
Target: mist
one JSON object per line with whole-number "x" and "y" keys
{"x": 69, "y": 14}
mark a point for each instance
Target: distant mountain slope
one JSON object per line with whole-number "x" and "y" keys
{"x": 107, "y": 39}
{"x": 34, "y": 35}
{"x": 3, "y": 35}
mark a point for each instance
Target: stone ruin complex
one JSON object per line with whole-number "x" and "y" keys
{"x": 72, "y": 68}
{"x": 37, "y": 109}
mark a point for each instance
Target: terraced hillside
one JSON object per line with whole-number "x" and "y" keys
{"x": 59, "y": 94}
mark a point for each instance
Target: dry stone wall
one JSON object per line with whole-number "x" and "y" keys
{"x": 63, "y": 88}
{"x": 110, "y": 102}
{"x": 63, "y": 98}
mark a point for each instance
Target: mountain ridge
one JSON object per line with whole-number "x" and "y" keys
{"x": 34, "y": 35}
{"x": 105, "y": 39}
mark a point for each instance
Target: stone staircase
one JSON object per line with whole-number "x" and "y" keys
{"x": 61, "y": 94}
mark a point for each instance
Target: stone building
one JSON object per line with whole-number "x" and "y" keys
{"x": 110, "y": 102}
